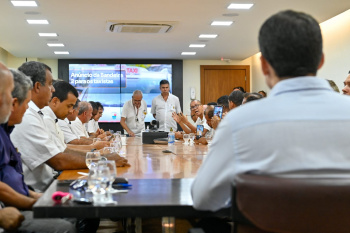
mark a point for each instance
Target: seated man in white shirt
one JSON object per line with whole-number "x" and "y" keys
{"x": 40, "y": 154}
{"x": 84, "y": 115}
{"x": 133, "y": 115}
{"x": 60, "y": 106}
{"x": 66, "y": 127}
{"x": 307, "y": 122}
{"x": 197, "y": 107}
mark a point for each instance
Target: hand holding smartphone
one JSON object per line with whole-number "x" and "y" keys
{"x": 218, "y": 111}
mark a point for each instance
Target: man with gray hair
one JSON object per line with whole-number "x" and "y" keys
{"x": 11, "y": 173}
{"x": 133, "y": 115}
{"x": 10, "y": 217}
{"x": 84, "y": 115}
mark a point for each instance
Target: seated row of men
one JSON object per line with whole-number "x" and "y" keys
{"x": 36, "y": 149}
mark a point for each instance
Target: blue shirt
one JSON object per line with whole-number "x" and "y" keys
{"x": 300, "y": 129}
{"x": 11, "y": 171}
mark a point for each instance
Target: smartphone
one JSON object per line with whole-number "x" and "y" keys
{"x": 200, "y": 129}
{"x": 218, "y": 111}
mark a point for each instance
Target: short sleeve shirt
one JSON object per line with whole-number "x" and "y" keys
{"x": 32, "y": 139}
{"x": 53, "y": 128}
{"x": 92, "y": 126}
{"x": 134, "y": 119}
{"x": 79, "y": 129}
{"x": 65, "y": 126}
{"x": 164, "y": 109}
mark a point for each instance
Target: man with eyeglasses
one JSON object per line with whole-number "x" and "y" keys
{"x": 133, "y": 115}
{"x": 197, "y": 107}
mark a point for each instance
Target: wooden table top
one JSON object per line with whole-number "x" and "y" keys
{"x": 148, "y": 161}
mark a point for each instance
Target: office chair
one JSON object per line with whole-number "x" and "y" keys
{"x": 290, "y": 205}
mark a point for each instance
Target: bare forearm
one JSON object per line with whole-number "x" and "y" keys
{"x": 79, "y": 148}
{"x": 12, "y": 198}
{"x": 68, "y": 160}
{"x": 81, "y": 141}
{"x": 125, "y": 126}
{"x": 184, "y": 127}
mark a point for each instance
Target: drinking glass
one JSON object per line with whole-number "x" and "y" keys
{"x": 110, "y": 164}
{"x": 209, "y": 137}
{"x": 192, "y": 137}
{"x": 98, "y": 181}
{"x": 123, "y": 139}
{"x": 117, "y": 146}
{"x": 108, "y": 150}
{"x": 95, "y": 140}
{"x": 186, "y": 138}
{"x": 92, "y": 158}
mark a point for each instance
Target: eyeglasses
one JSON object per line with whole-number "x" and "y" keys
{"x": 195, "y": 106}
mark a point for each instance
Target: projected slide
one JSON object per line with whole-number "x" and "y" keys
{"x": 113, "y": 84}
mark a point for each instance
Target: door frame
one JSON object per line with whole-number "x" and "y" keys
{"x": 224, "y": 67}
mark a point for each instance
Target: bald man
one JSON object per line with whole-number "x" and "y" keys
{"x": 133, "y": 115}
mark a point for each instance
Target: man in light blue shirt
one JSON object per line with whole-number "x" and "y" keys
{"x": 302, "y": 127}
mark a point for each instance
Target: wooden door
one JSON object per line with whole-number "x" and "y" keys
{"x": 217, "y": 81}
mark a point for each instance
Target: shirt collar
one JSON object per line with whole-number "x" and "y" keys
{"x": 300, "y": 84}
{"x": 33, "y": 106}
{"x": 48, "y": 112}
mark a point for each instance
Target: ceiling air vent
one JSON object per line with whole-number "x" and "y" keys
{"x": 139, "y": 28}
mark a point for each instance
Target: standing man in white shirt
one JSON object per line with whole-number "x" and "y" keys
{"x": 133, "y": 115}
{"x": 163, "y": 107}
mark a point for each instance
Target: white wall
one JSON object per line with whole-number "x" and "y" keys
{"x": 336, "y": 48}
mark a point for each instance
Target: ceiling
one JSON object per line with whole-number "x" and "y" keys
{"x": 81, "y": 26}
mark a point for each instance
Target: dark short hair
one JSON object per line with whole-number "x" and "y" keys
{"x": 292, "y": 43}
{"x": 252, "y": 96}
{"x": 62, "y": 89}
{"x": 212, "y": 103}
{"x": 99, "y": 105}
{"x": 236, "y": 97}
{"x": 239, "y": 88}
{"x": 223, "y": 100}
{"x": 209, "y": 111}
{"x": 76, "y": 105}
{"x": 94, "y": 105}
{"x": 35, "y": 70}
{"x": 164, "y": 81}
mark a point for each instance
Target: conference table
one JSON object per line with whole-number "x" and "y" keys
{"x": 161, "y": 178}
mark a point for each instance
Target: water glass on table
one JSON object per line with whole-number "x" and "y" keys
{"x": 113, "y": 174}
{"x": 98, "y": 181}
{"x": 192, "y": 137}
{"x": 92, "y": 158}
{"x": 186, "y": 138}
{"x": 209, "y": 137}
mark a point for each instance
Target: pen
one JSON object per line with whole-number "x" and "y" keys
{"x": 124, "y": 185}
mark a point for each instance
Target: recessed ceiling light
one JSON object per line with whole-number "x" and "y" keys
{"x": 24, "y": 3}
{"x": 55, "y": 44}
{"x": 37, "y": 21}
{"x": 240, "y": 6}
{"x": 197, "y": 45}
{"x": 188, "y": 53}
{"x": 61, "y": 52}
{"x": 47, "y": 34}
{"x": 221, "y": 23}
{"x": 208, "y": 35}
